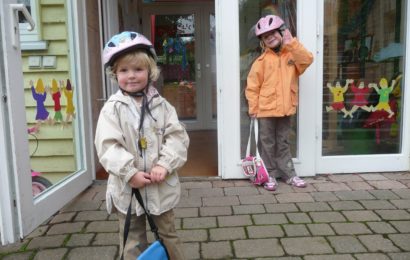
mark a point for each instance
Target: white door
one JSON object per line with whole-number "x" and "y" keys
{"x": 362, "y": 118}
{"x": 59, "y": 145}
{"x": 184, "y": 37}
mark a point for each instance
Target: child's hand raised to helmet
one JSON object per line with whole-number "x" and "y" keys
{"x": 287, "y": 36}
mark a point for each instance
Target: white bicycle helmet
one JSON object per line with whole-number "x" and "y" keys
{"x": 125, "y": 42}
{"x": 268, "y": 23}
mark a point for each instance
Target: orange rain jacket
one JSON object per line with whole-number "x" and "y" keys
{"x": 272, "y": 84}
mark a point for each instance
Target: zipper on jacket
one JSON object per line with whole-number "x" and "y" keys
{"x": 145, "y": 170}
{"x": 283, "y": 91}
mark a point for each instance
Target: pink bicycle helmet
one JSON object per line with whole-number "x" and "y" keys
{"x": 125, "y": 42}
{"x": 267, "y": 24}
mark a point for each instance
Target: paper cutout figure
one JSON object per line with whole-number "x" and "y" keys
{"x": 338, "y": 97}
{"x": 360, "y": 97}
{"x": 384, "y": 92}
{"x": 39, "y": 94}
{"x": 68, "y": 93}
{"x": 56, "y": 95}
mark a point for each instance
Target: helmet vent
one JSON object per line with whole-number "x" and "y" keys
{"x": 111, "y": 44}
{"x": 133, "y": 35}
{"x": 270, "y": 21}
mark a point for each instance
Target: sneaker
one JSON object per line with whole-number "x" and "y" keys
{"x": 297, "y": 182}
{"x": 271, "y": 185}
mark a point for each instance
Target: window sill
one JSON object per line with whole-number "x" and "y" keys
{"x": 35, "y": 45}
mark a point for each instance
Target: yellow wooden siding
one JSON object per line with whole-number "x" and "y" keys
{"x": 51, "y": 147}
{"x": 53, "y": 14}
{"x": 53, "y": 132}
{"x": 53, "y": 48}
{"x": 53, "y": 164}
{"x": 52, "y": 32}
{"x": 53, "y": 2}
{"x": 55, "y": 154}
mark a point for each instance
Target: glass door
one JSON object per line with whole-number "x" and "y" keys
{"x": 47, "y": 151}
{"x": 184, "y": 38}
{"x": 302, "y": 136}
{"x": 363, "y": 87}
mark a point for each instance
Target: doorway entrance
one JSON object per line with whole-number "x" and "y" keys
{"x": 183, "y": 35}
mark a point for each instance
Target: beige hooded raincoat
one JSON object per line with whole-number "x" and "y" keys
{"x": 117, "y": 148}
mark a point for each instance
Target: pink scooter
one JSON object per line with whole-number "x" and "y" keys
{"x": 38, "y": 183}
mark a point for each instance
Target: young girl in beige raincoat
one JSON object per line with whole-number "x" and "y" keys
{"x": 141, "y": 144}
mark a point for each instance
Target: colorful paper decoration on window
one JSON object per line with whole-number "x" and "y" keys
{"x": 360, "y": 97}
{"x": 384, "y": 93}
{"x": 338, "y": 97}
{"x": 56, "y": 95}
{"x": 39, "y": 94}
{"x": 68, "y": 93}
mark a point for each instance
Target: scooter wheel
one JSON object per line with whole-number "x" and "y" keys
{"x": 39, "y": 184}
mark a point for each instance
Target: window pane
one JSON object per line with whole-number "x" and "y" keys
{"x": 250, "y": 11}
{"x": 51, "y": 93}
{"x": 22, "y": 19}
{"x": 363, "y": 66}
{"x": 174, "y": 40}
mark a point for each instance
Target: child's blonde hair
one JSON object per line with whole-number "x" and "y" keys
{"x": 141, "y": 58}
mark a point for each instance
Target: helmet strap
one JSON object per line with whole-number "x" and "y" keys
{"x": 139, "y": 93}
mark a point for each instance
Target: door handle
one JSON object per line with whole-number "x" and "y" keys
{"x": 198, "y": 68}
{"x": 14, "y": 9}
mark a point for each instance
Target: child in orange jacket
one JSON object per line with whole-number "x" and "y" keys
{"x": 272, "y": 94}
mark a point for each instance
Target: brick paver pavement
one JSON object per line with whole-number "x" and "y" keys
{"x": 350, "y": 216}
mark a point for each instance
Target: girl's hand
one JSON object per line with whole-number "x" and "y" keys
{"x": 139, "y": 180}
{"x": 158, "y": 174}
{"x": 287, "y": 36}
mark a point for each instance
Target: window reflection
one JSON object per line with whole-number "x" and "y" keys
{"x": 50, "y": 95}
{"x": 27, "y": 3}
{"x": 174, "y": 40}
{"x": 363, "y": 66}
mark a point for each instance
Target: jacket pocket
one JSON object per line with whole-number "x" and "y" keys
{"x": 294, "y": 94}
{"x": 172, "y": 179}
{"x": 267, "y": 99}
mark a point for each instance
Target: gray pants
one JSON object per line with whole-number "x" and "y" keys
{"x": 137, "y": 236}
{"x": 274, "y": 146}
